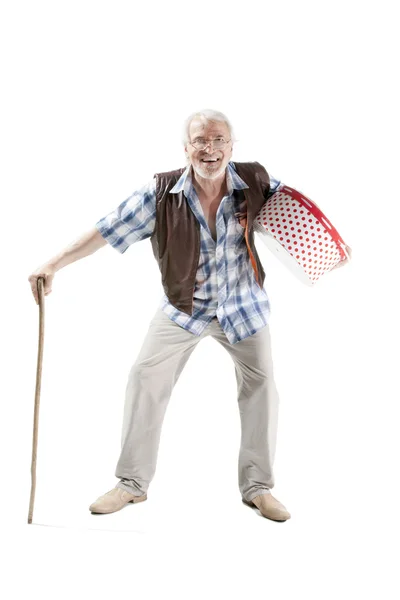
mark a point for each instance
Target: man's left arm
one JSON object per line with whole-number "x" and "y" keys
{"x": 274, "y": 185}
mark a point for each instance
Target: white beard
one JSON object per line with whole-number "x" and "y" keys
{"x": 203, "y": 172}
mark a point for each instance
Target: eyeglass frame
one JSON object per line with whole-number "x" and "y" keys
{"x": 211, "y": 142}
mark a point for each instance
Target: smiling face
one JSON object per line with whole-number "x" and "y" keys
{"x": 209, "y": 163}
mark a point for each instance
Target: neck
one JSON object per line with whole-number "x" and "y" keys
{"x": 209, "y": 187}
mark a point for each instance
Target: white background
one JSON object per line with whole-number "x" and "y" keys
{"x": 93, "y": 102}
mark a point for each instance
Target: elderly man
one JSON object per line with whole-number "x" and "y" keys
{"x": 199, "y": 220}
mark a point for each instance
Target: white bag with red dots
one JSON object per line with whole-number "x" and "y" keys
{"x": 299, "y": 235}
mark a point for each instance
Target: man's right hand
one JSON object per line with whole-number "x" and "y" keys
{"x": 47, "y": 272}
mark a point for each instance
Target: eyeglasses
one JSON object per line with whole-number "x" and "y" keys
{"x": 201, "y": 144}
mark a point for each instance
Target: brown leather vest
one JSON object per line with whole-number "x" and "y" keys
{"x": 176, "y": 236}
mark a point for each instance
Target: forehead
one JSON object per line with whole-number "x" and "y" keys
{"x": 201, "y": 127}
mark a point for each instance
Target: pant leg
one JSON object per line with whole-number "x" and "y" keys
{"x": 258, "y": 401}
{"x": 164, "y": 353}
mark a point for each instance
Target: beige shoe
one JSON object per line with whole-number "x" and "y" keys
{"x": 269, "y": 507}
{"x": 114, "y": 500}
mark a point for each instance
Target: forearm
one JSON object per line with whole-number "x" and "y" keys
{"x": 83, "y": 246}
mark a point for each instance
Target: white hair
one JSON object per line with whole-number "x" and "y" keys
{"x": 206, "y": 115}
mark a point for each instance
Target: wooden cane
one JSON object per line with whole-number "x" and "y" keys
{"x": 40, "y": 287}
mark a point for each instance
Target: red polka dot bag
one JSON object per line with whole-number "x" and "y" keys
{"x": 300, "y": 235}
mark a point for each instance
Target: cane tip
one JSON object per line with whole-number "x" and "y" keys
{"x": 29, "y": 520}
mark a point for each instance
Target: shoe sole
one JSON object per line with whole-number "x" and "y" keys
{"x": 106, "y": 512}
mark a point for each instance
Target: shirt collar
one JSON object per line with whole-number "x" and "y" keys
{"x": 234, "y": 182}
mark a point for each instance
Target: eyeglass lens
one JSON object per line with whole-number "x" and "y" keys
{"x": 201, "y": 144}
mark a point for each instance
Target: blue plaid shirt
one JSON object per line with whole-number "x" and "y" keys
{"x": 225, "y": 286}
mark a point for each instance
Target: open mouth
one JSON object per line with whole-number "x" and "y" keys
{"x": 210, "y": 160}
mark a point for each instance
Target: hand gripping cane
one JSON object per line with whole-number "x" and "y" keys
{"x": 40, "y": 287}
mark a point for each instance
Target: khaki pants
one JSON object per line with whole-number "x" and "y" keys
{"x": 164, "y": 353}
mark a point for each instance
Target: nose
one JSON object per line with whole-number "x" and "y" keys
{"x": 210, "y": 146}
